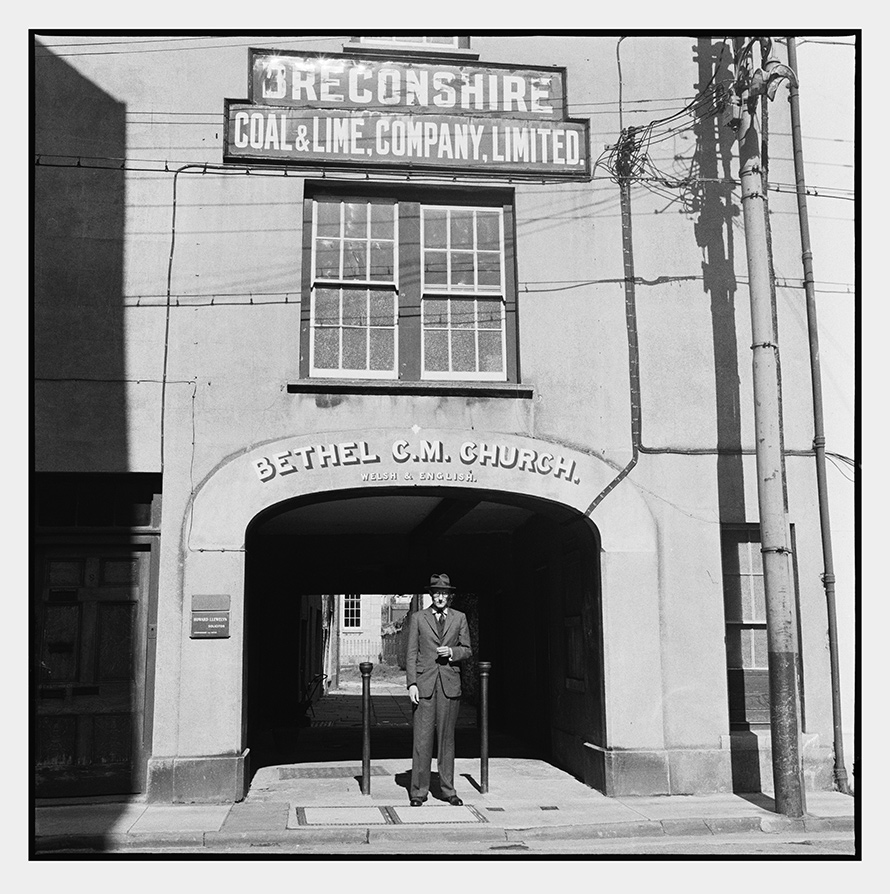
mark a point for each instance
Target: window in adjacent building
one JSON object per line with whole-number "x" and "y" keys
{"x": 86, "y": 500}
{"x": 417, "y": 41}
{"x": 352, "y": 611}
{"x": 745, "y": 616}
{"x": 410, "y": 288}
{"x": 744, "y": 599}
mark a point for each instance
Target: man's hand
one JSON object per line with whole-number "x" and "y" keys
{"x": 413, "y": 694}
{"x": 444, "y": 651}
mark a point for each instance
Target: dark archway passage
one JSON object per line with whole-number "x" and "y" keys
{"x": 527, "y": 574}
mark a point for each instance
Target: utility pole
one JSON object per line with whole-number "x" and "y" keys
{"x": 780, "y": 617}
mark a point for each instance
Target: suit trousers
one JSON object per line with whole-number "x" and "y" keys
{"x": 436, "y": 714}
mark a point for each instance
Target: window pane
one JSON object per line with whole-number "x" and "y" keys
{"x": 488, "y": 231}
{"x": 747, "y": 655}
{"x": 355, "y": 222}
{"x": 382, "y": 264}
{"x": 382, "y": 309}
{"x": 759, "y": 643}
{"x": 355, "y": 349}
{"x": 435, "y": 312}
{"x": 748, "y": 555}
{"x": 434, "y": 228}
{"x": 327, "y": 259}
{"x": 435, "y": 350}
{"x": 382, "y": 221}
{"x": 355, "y": 260}
{"x": 461, "y": 228}
{"x": 462, "y": 268}
{"x": 490, "y": 352}
{"x": 759, "y": 599}
{"x": 463, "y": 314}
{"x": 489, "y": 269}
{"x": 355, "y": 308}
{"x": 489, "y": 313}
{"x": 745, "y": 596}
{"x": 435, "y": 267}
{"x": 328, "y": 217}
{"x": 463, "y": 351}
{"x": 382, "y": 348}
{"x": 327, "y": 348}
{"x": 327, "y": 307}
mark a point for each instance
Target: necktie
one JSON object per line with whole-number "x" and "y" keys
{"x": 440, "y": 620}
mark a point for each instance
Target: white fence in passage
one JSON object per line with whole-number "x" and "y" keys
{"x": 355, "y": 649}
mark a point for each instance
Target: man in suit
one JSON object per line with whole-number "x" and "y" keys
{"x": 438, "y": 638}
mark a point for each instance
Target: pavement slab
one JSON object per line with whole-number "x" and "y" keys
{"x": 181, "y": 818}
{"x": 682, "y": 806}
{"x": 256, "y": 817}
{"x": 93, "y": 819}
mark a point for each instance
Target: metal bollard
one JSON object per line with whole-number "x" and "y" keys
{"x": 365, "y": 668}
{"x": 484, "y": 671}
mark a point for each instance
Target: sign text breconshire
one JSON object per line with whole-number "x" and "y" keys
{"x": 351, "y": 112}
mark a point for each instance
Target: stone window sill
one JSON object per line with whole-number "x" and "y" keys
{"x": 436, "y": 389}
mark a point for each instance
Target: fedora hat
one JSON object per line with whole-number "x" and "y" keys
{"x": 440, "y": 582}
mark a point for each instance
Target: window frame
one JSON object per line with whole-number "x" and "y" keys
{"x": 752, "y": 620}
{"x": 748, "y": 687}
{"x": 458, "y": 42}
{"x": 346, "y": 285}
{"x": 409, "y": 288}
{"x": 352, "y": 611}
{"x": 449, "y": 292}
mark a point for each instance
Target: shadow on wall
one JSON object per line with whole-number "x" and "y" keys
{"x": 79, "y": 397}
{"x": 714, "y": 233}
{"x": 713, "y": 201}
{"x": 79, "y": 362}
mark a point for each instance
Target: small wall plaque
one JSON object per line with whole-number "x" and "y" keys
{"x": 210, "y": 625}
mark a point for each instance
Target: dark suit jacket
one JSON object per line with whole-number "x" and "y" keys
{"x": 424, "y": 666}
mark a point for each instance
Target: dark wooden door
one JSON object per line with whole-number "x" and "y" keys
{"x": 91, "y": 627}
{"x": 576, "y": 639}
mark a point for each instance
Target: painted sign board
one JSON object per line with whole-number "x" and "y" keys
{"x": 307, "y": 81}
{"x": 411, "y": 461}
{"x": 403, "y": 460}
{"x": 347, "y": 112}
{"x": 500, "y": 145}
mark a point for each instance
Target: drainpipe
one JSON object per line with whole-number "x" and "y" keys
{"x": 828, "y": 579}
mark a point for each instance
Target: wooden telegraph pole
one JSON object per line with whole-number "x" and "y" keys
{"x": 751, "y": 83}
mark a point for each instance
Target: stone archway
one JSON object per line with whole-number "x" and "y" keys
{"x": 255, "y": 480}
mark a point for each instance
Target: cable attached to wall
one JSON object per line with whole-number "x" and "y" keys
{"x": 167, "y": 307}
{"x": 633, "y": 348}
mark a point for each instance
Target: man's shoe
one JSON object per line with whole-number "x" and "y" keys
{"x": 416, "y": 802}
{"x": 454, "y": 801}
